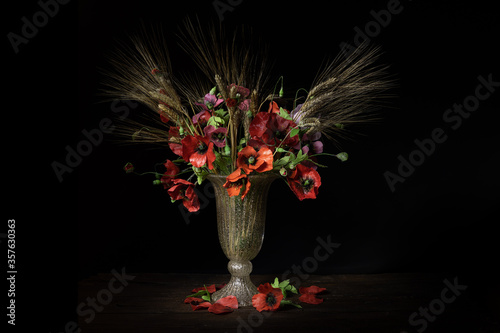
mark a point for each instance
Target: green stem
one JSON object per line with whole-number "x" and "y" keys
{"x": 274, "y": 90}
{"x": 296, "y": 93}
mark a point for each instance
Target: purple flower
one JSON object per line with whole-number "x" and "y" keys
{"x": 244, "y": 92}
{"x": 210, "y": 101}
{"x": 296, "y": 114}
{"x": 245, "y": 105}
{"x": 216, "y": 135}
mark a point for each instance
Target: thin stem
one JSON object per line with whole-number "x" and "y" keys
{"x": 296, "y": 93}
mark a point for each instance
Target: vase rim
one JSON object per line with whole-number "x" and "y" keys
{"x": 259, "y": 175}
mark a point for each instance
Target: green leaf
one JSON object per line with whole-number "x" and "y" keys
{"x": 284, "y": 283}
{"x": 220, "y": 113}
{"x": 215, "y": 121}
{"x": 342, "y": 156}
{"x": 206, "y": 298}
{"x": 222, "y": 163}
{"x": 284, "y": 114}
{"x": 294, "y": 132}
{"x": 278, "y": 164}
{"x": 276, "y": 283}
{"x": 199, "y": 293}
{"x": 292, "y": 289}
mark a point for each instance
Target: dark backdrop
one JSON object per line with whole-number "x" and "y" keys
{"x": 440, "y": 219}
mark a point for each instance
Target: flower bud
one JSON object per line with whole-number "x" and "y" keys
{"x": 129, "y": 168}
{"x": 157, "y": 182}
{"x": 283, "y": 172}
{"x": 342, "y": 156}
{"x": 213, "y": 90}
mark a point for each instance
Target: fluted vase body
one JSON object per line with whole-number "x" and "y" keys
{"x": 240, "y": 224}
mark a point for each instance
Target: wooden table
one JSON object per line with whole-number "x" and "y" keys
{"x": 353, "y": 303}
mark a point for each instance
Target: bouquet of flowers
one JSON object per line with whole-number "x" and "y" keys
{"x": 233, "y": 124}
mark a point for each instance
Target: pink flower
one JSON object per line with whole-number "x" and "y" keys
{"x": 216, "y": 135}
{"x": 210, "y": 102}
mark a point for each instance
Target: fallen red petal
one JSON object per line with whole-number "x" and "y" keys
{"x": 311, "y": 290}
{"x": 211, "y": 289}
{"x": 195, "y": 300}
{"x": 203, "y": 305}
{"x": 224, "y": 305}
{"x": 229, "y": 301}
{"x": 218, "y": 308}
{"x": 310, "y": 299}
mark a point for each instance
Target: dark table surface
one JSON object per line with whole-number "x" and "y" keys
{"x": 409, "y": 302}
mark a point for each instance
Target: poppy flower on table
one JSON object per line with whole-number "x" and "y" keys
{"x": 268, "y": 298}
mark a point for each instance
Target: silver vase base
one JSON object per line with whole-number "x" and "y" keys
{"x": 240, "y": 287}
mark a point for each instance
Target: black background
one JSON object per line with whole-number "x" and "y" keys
{"x": 441, "y": 219}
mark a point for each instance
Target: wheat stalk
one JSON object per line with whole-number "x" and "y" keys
{"x": 347, "y": 91}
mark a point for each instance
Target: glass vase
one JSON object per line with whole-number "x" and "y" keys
{"x": 240, "y": 225}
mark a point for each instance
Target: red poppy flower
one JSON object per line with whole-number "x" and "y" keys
{"x": 198, "y": 150}
{"x": 224, "y": 305}
{"x": 249, "y": 159}
{"x": 273, "y": 107}
{"x": 235, "y": 182}
{"x": 201, "y": 118}
{"x": 308, "y": 295}
{"x": 268, "y": 298}
{"x": 305, "y": 182}
{"x": 231, "y": 102}
{"x": 272, "y": 129}
{"x": 174, "y": 137}
{"x": 183, "y": 190}
{"x": 258, "y": 126}
{"x": 278, "y": 131}
{"x": 256, "y": 144}
{"x": 168, "y": 176}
